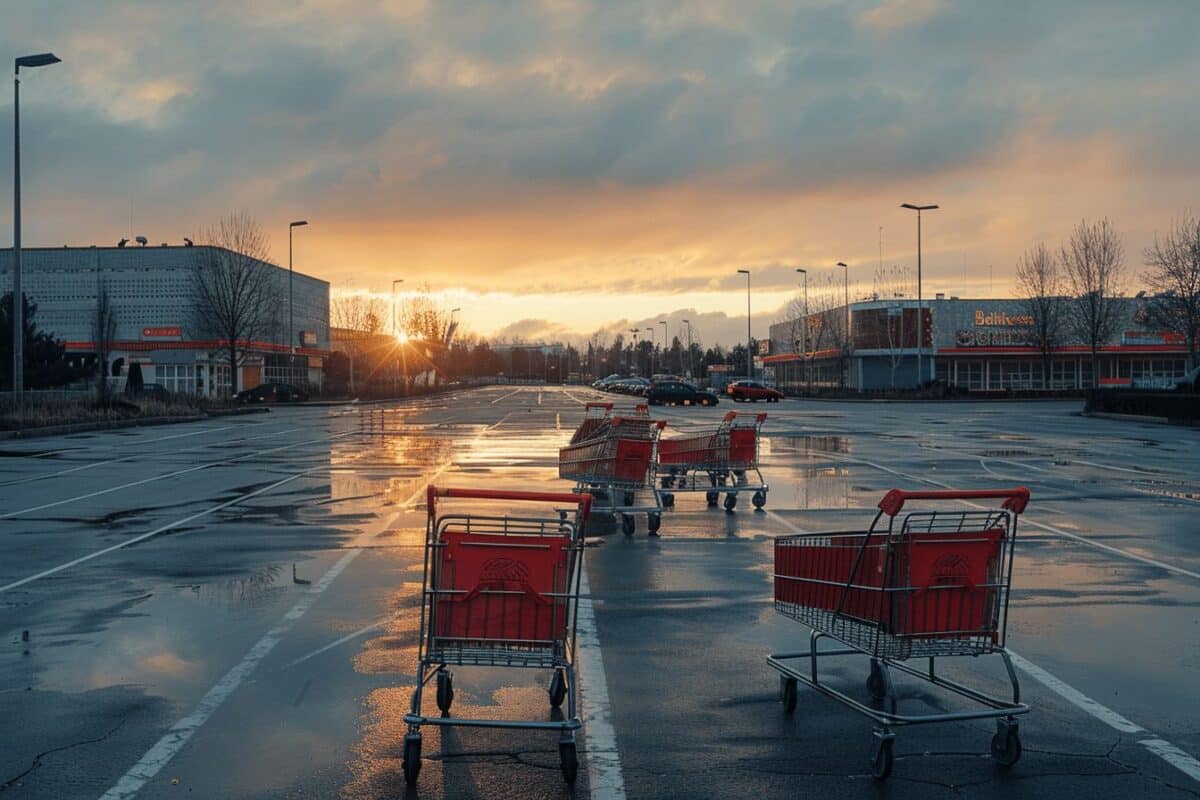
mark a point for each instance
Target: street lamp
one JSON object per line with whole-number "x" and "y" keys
{"x": 398, "y": 280}
{"x": 18, "y": 304}
{"x": 920, "y": 305}
{"x": 663, "y": 322}
{"x": 291, "y": 332}
{"x": 634, "y": 354}
{"x": 807, "y": 365}
{"x": 691, "y": 366}
{"x": 846, "y": 336}
{"x": 749, "y": 357}
{"x": 652, "y": 353}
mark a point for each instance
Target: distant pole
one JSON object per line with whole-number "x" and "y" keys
{"x": 807, "y": 363}
{"x": 920, "y": 304}
{"x": 749, "y": 356}
{"x": 291, "y": 331}
{"x": 653, "y": 352}
{"x": 846, "y": 335}
{"x": 663, "y": 322}
{"x": 634, "y": 355}
{"x": 18, "y": 297}
{"x": 398, "y": 280}
{"x": 691, "y": 366}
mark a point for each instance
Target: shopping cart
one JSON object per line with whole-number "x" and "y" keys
{"x": 715, "y": 461}
{"x": 500, "y": 591}
{"x": 611, "y": 458}
{"x": 932, "y": 584}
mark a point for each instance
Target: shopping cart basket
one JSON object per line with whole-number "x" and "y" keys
{"x": 500, "y": 591}
{"x": 612, "y": 458}
{"x": 715, "y": 461}
{"x": 931, "y": 584}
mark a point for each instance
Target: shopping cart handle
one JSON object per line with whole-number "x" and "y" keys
{"x": 1015, "y": 500}
{"x": 583, "y": 499}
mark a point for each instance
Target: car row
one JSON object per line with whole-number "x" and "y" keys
{"x": 752, "y": 391}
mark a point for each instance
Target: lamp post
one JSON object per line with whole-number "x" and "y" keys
{"x": 807, "y": 365}
{"x": 291, "y": 332}
{"x": 634, "y": 366}
{"x": 920, "y": 304}
{"x": 663, "y": 322}
{"x": 398, "y": 280}
{"x": 652, "y": 353}
{"x": 749, "y": 357}
{"x": 846, "y": 334}
{"x": 18, "y": 297}
{"x": 691, "y": 366}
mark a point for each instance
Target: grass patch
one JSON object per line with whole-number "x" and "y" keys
{"x": 40, "y": 412}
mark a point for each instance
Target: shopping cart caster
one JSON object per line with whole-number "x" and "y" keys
{"x": 759, "y": 499}
{"x": 569, "y": 760}
{"x": 787, "y": 693}
{"x": 881, "y": 755}
{"x": 730, "y": 502}
{"x": 653, "y": 522}
{"x": 558, "y": 688}
{"x": 445, "y": 691}
{"x": 711, "y": 498}
{"x": 412, "y": 758}
{"x": 629, "y": 498}
{"x": 876, "y": 684}
{"x": 1006, "y": 744}
{"x": 628, "y": 525}
{"x": 668, "y": 500}
{"x": 668, "y": 481}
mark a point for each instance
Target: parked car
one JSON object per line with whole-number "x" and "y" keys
{"x": 753, "y": 391}
{"x": 272, "y": 393}
{"x": 679, "y": 393}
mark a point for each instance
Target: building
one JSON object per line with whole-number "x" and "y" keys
{"x": 152, "y": 293}
{"x": 976, "y": 345}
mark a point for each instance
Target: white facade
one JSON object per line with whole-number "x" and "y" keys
{"x": 151, "y": 291}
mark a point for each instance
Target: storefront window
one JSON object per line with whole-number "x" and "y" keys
{"x": 177, "y": 378}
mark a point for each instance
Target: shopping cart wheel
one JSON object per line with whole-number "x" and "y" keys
{"x": 668, "y": 500}
{"x": 876, "y": 685}
{"x": 787, "y": 693}
{"x": 412, "y": 758}
{"x": 881, "y": 755}
{"x": 730, "y": 502}
{"x": 1006, "y": 744}
{"x": 445, "y": 690}
{"x": 759, "y": 499}
{"x": 558, "y": 688}
{"x": 653, "y": 522}
{"x": 628, "y": 524}
{"x": 569, "y": 760}
{"x": 668, "y": 481}
{"x": 629, "y": 498}
{"x": 712, "y": 498}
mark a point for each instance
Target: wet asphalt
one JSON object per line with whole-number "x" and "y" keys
{"x": 244, "y": 592}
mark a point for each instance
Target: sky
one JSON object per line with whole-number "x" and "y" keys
{"x": 558, "y": 168}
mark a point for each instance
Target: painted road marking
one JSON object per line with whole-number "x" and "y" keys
{"x": 157, "y": 531}
{"x": 172, "y": 474}
{"x": 603, "y": 760}
{"x": 1159, "y": 747}
{"x": 501, "y": 397}
{"x": 182, "y": 731}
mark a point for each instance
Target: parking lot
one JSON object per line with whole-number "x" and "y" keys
{"x": 230, "y": 608}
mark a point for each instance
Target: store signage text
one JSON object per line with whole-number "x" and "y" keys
{"x": 999, "y": 318}
{"x": 985, "y": 337}
{"x": 163, "y": 332}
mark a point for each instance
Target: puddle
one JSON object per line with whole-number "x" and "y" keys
{"x": 809, "y": 444}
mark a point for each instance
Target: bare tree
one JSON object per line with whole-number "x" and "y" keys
{"x": 424, "y": 319}
{"x": 1174, "y": 278}
{"x": 1093, "y": 261}
{"x": 361, "y": 318}
{"x": 1040, "y": 287}
{"x": 104, "y": 331}
{"x": 236, "y": 291}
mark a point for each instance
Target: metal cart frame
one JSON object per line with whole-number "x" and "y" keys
{"x": 612, "y": 459}
{"x": 718, "y": 461}
{"x": 504, "y": 624}
{"x": 891, "y": 620}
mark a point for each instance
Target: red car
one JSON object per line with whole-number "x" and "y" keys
{"x": 752, "y": 391}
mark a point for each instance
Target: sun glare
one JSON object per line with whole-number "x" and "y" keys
{"x": 401, "y": 337}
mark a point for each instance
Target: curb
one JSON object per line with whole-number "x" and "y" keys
{"x": 114, "y": 424}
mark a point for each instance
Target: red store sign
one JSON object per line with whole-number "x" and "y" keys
{"x": 164, "y": 332}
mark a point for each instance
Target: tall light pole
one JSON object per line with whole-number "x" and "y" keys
{"x": 691, "y": 366}
{"x": 652, "y": 352}
{"x": 291, "y": 332}
{"x": 846, "y": 335}
{"x": 749, "y": 357}
{"x": 807, "y": 364}
{"x": 635, "y": 332}
{"x": 663, "y": 322}
{"x": 18, "y": 297}
{"x": 398, "y": 280}
{"x": 920, "y": 304}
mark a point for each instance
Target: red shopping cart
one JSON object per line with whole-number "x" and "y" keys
{"x": 611, "y": 458}
{"x": 500, "y": 591}
{"x": 721, "y": 460}
{"x": 932, "y": 584}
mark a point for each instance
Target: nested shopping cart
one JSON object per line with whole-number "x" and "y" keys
{"x": 931, "y": 584}
{"x": 612, "y": 458}
{"x": 716, "y": 461}
{"x": 500, "y": 590}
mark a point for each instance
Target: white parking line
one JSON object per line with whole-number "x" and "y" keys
{"x": 1159, "y": 747}
{"x": 510, "y": 394}
{"x": 603, "y": 760}
{"x": 172, "y": 474}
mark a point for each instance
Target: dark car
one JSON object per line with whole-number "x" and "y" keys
{"x": 679, "y": 393}
{"x": 753, "y": 391}
{"x": 271, "y": 393}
